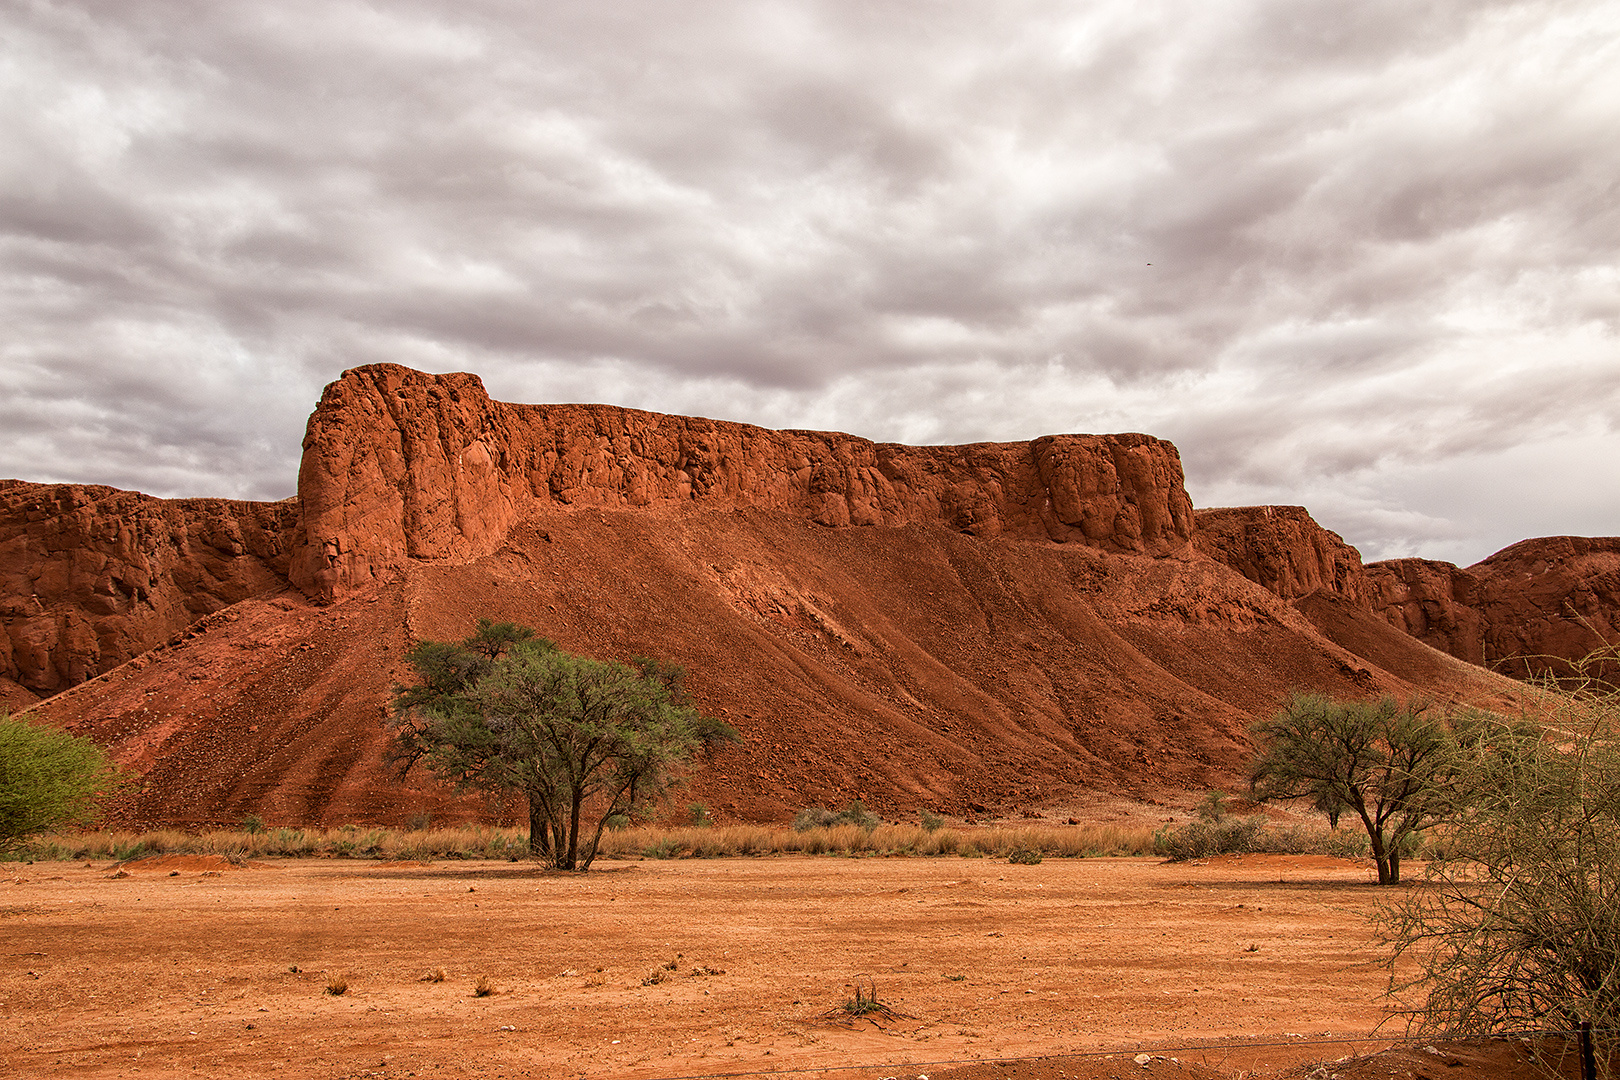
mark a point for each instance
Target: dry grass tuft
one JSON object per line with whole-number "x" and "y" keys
{"x": 483, "y": 987}
{"x": 337, "y": 986}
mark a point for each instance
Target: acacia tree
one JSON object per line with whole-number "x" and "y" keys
{"x": 1393, "y": 766}
{"x": 48, "y": 778}
{"x": 582, "y": 740}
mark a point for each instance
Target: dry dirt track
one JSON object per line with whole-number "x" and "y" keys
{"x": 222, "y": 973}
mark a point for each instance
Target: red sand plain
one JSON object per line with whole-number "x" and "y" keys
{"x": 188, "y": 966}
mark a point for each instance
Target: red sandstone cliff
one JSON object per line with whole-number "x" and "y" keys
{"x": 399, "y": 465}
{"x": 1521, "y": 610}
{"x": 92, "y": 576}
{"x": 1283, "y": 549}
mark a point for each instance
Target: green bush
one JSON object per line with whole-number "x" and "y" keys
{"x": 1212, "y": 807}
{"x": 816, "y": 817}
{"x": 48, "y": 778}
{"x": 662, "y": 849}
{"x": 1202, "y": 839}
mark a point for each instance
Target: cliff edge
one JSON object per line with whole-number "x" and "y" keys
{"x": 399, "y": 465}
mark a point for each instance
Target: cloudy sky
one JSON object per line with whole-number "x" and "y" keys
{"x": 1362, "y": 256}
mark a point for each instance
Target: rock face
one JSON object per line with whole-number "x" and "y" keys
{"x": 1524, "y": 609}
{"x": 92, "y": 576}
{"x": 1283, "y": 549}
{"x": 1431, "y": 600}
{"x": 399, "y": 465}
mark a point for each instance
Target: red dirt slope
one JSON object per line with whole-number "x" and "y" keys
{"x": 905, "y": 666}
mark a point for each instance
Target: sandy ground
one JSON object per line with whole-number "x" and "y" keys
{"x": 187, "y": 966}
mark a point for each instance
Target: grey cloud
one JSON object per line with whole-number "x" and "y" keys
{"x": 911, "y": 221}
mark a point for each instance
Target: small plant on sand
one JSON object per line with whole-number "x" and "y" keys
{"x": 483, "y": 987}
{"x": 337, "y": 985}
{"x": 864, "y": 1002}
{"x": 1025, "y": 856}
{"x": 662, "y": 973}
{"x": 437, "y": 975}
{"x": 1212, "y": 807}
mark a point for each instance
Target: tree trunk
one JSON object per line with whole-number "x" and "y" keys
{"x": 573, "y": 834}
{"x": 1394, "y": 865}
{"x": 539, "y": 831}
{"x": 1380, "y": 856}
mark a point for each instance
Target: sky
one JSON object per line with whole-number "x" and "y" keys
{"x": 1362, "y": 257}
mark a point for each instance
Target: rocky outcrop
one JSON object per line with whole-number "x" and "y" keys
{"x": 93, "y": 576}
{"x": 399, "y": 465}
{"x": 1527, "y": 608}
{"x": 402, "y": 468}
{"x": 1431, "y": 600}
{"x": 1283, "y": 549}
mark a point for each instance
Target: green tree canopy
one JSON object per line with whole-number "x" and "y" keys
{"x": 1393, "y": 766}
{"x": 582, "y": 740}
{"x": 48, "y": 779}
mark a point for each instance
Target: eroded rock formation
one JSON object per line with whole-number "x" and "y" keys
{"x": 92, "y": 576}
{"x": 1283, "y": 549}
{"x": 1521, "y": 610}
{"x": 406, "y": 475}
{"x": 1431, "y": 600}
{"x": 399, "y": 465}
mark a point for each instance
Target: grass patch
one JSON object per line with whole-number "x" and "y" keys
{"x": 350, "y": 841}
{"x": 1026, "y": 842}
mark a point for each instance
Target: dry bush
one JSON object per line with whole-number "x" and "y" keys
{"x": 1518, "y": 926}
{"x": 483, "y": 987}
{"x": 337, "y": 985}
